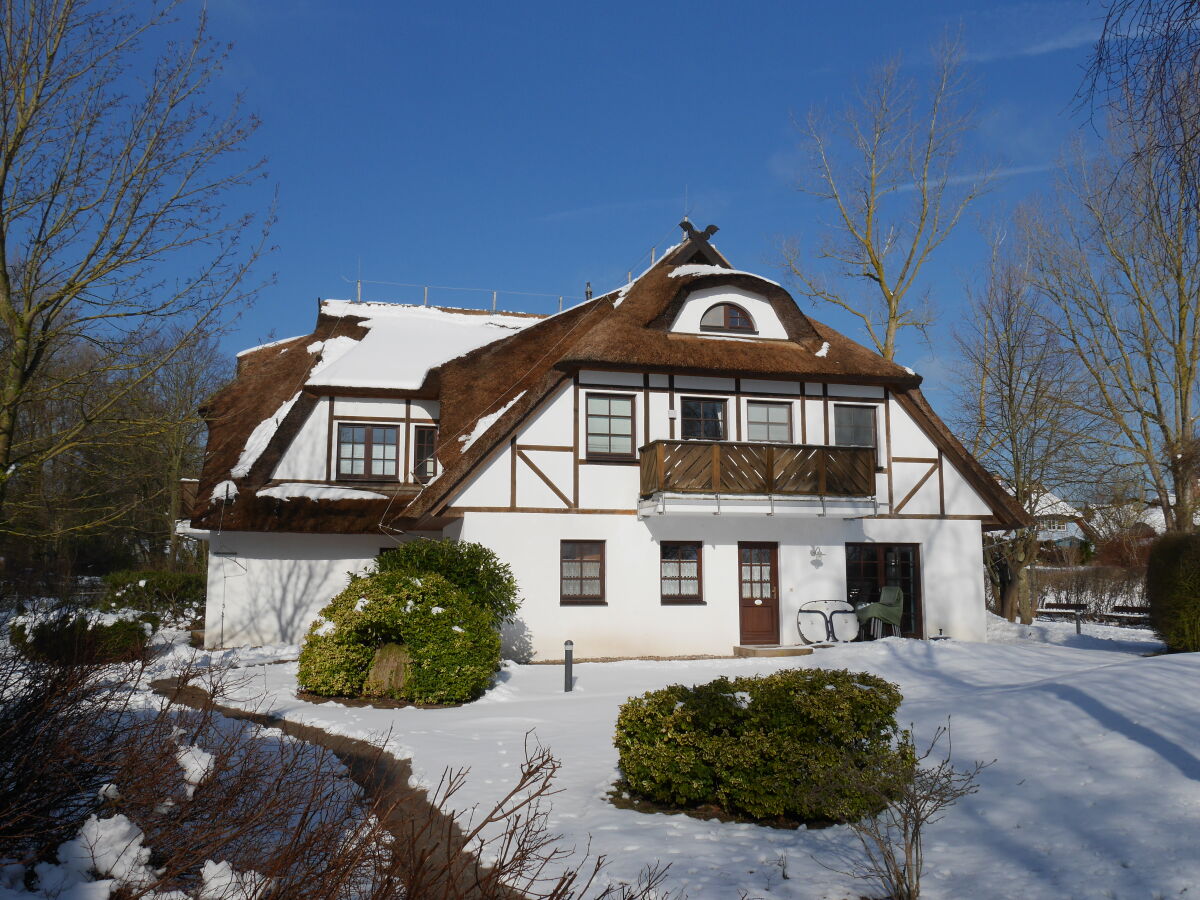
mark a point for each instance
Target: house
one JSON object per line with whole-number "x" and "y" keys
{"x": 671, "y": 468}
{"x": 1060, "y": 529}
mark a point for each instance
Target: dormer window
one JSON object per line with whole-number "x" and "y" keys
{"x": 727, "y": 317}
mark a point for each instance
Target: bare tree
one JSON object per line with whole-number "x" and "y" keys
{"x": 115, "y": 228}
{"x": 1151, "y": 49}
{"x": 1019, "y": 410}
{"x": 888, "y": 171}
{"x": 1119, "y": 260}
{"x": 892, "y": 840}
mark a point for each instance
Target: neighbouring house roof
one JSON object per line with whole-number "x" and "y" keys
{"x": 490, "y": 371}
{"x": 1050, "y": 504}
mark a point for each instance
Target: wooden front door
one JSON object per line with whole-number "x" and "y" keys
{"x": 758, "y": 580}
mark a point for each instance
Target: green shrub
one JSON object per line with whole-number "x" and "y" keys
{"x": 177, "y": 596}
{"x": 472, "y": 567}
{"x": 452, "y": 643}
{"x": 81, "y": 637}
{"x": 809, "y": 744}
{"x": 1173, "y": 590}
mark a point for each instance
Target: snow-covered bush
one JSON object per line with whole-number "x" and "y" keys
{"x": 474, "y": 568}
{"x": 71, "y": 636}
{"x": 1173, "y": 590}
{"x": 178, "y": 596}
{"x": 452, "y": 643}
{"x": 800, "y": 743}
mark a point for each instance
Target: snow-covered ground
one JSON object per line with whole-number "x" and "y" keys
{"x": 1095, "y": 792}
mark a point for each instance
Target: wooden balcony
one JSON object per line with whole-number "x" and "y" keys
{"x": 707, "y": 467}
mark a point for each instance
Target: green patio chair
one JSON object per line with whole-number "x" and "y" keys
{"x": 887, "y": 611}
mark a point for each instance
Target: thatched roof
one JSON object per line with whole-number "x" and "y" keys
{"x": 486, "y": 392}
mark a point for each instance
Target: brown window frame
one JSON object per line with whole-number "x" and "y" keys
{"x": 874, "y": 424}
{"x": 565, "y": 599}
{"x": 417, "y": 474}
{"x": 369, "y": 443}
{"x": 696, "y": 599}
{"x": 724, "y": 418}
{"x": 790, "y": 428}
{"x": 727, "y": 319}
{"x": 610, "y": 395}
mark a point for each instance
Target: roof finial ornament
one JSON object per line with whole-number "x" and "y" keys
{"x": 693, "y": 235}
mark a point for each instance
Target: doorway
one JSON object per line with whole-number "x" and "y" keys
{"x": 872, "y": 567}
{"x": 758, "y": 581}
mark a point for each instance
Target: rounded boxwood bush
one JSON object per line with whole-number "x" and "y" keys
{"x": 452, "y": 644}
{"x": 809, "y": 744}
{"x": 1173, "y": 590}
{"x": 474, "y": 568}
{"x": 83, "y": 637}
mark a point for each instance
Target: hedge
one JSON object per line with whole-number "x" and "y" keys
{"x": 1173, "y": 590}
{"x": 452, "y": 643}
{"x": 808, "y": 744}
{"x": 83, "y": 637}
{"x": 175, "y": 595}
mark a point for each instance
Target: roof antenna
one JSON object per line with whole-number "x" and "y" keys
{"x": 358, "y": 283}
{"x": 587, "y": 291}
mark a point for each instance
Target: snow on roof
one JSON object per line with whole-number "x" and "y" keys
{"x": 699, "y": 269}
{"x": 331, "y": 351}
{"x": 1050, "y": 504}
{"x": 259, "y": 438}
{"x": 485, "y": 422}
{"x": 404, "y": 342}
{"x": 226, "y": 490}
{"x": 291, "y": 490}
{"x": 250, "y": 350}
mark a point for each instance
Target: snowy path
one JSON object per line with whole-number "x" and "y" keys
{"x": 1095, "y": 792}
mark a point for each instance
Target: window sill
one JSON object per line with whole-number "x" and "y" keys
{"x": 611, "y": 461}
{"x": 687, "y": 601}
{"x": 562, "y": 602}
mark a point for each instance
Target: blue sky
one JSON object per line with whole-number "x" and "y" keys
{"x": 537, "y": 146}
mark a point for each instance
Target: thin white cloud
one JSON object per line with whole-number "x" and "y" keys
{"x": 993, "y": 174}
{"x": 1079, "y": 34}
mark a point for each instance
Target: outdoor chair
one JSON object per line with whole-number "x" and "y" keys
{"x": 877, "y": 617}
{"x": 826, "y": 620}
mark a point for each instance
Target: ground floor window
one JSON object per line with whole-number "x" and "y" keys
{"x": 680, "y": 572}
{"x": 581, "y": 572}
{"x": 872, "y": 567}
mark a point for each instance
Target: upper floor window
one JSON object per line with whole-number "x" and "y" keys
{"x": 853, "y": 426}
{"x": 367, "y": 451}
{"x": 703, "y": 420}
{"x": 610, "y": 425}
{"x": 727, "y": 317}
{"x": 424, "y": 447}
{"x": 769, "y": 422}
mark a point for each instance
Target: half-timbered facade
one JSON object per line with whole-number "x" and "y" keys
{"x": 671, "y": 468}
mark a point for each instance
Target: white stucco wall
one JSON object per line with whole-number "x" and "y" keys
{"x": 634, "y": 621}
{"x": 275, "y": 585}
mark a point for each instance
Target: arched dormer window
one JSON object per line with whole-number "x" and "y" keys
{"x": 727, "y": 317}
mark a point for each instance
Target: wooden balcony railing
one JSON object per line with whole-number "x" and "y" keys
{"x": 706, "y": 467}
